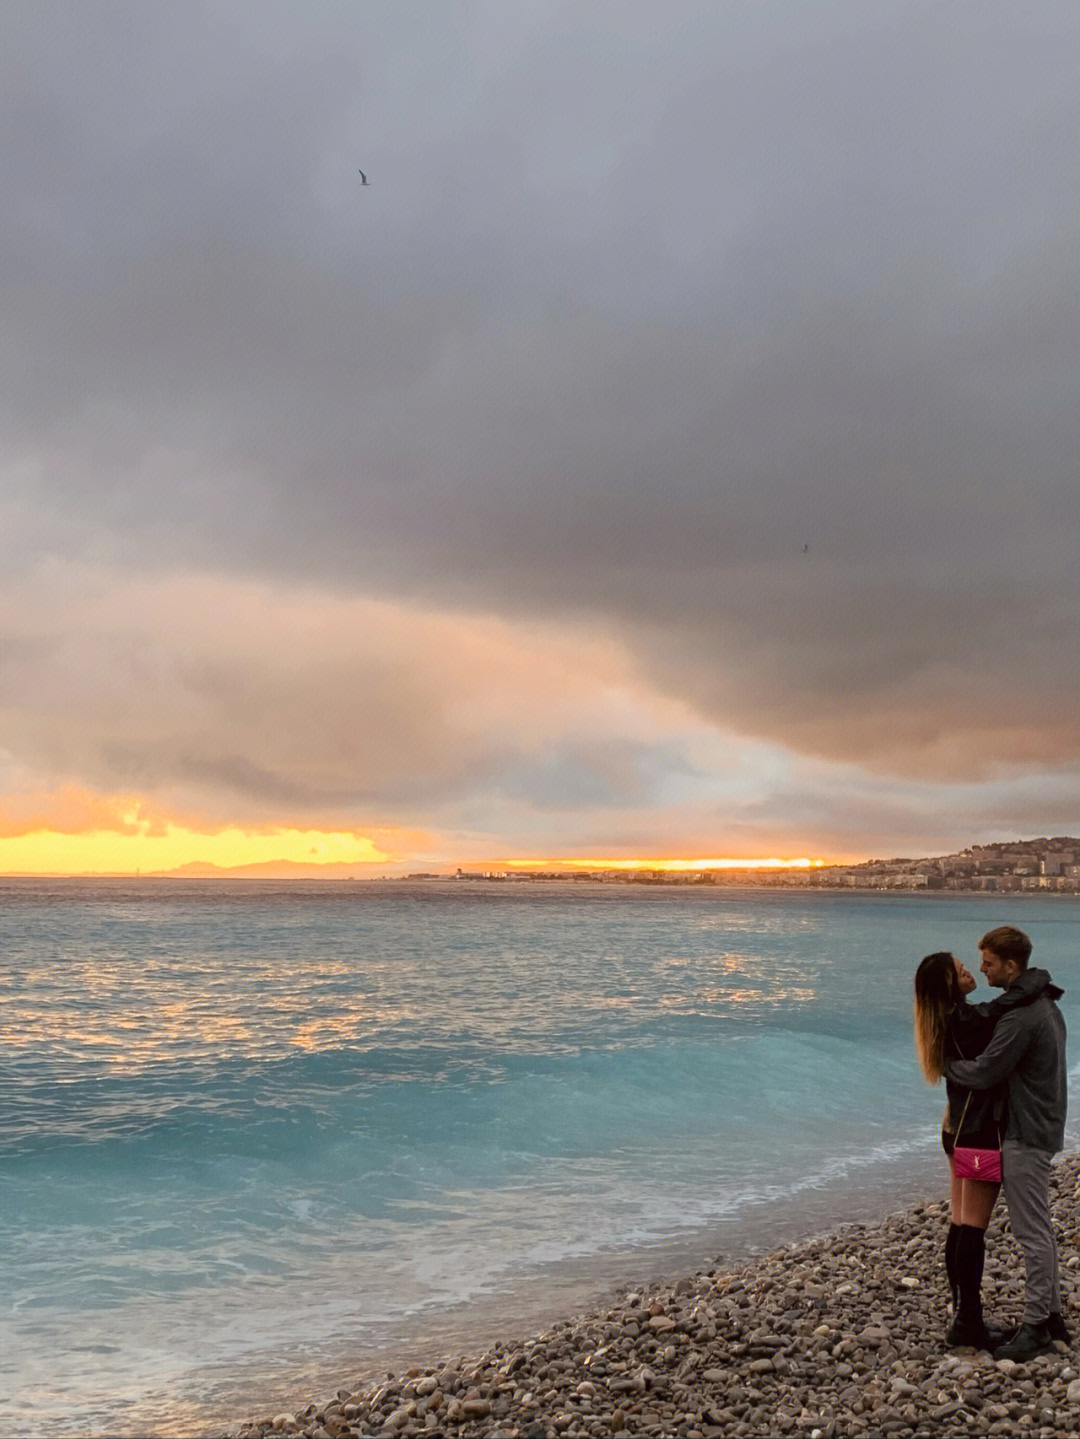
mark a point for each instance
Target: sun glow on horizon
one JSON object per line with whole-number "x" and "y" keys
{"x": 172, "y": 846}
{"x": 671, "y": 865}
{"x": 73, "y": 831}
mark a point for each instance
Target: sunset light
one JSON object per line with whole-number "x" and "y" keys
{"x": 671, "y": 865}
{"x": 144, "y": 846}
{"x": 146, "y": 851}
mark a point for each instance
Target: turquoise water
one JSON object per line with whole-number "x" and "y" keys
{"x": 257, "y": 1136}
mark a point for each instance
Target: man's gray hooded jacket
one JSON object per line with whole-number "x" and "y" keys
{"x": 1027, "y": 1051}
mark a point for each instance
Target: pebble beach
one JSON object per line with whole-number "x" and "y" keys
{"x": 836, "y": 1335}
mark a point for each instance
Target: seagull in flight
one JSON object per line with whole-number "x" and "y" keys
{"x": 363, "y": 178}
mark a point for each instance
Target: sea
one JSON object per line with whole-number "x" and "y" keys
{"x": 262, "y": 1140}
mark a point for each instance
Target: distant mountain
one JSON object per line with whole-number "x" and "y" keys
{"x": 267, "y": 869}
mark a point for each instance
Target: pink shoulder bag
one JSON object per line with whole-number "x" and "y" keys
{"x": 981, "y": 1164}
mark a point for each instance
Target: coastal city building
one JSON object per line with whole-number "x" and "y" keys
{"x": 1042, "y": 864}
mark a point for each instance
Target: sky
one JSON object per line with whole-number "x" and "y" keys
{"x": 670, "y": 452}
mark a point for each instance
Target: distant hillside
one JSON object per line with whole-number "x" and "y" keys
{"x": 268, "y": 869}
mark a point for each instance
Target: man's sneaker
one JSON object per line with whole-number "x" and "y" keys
{"x": 1029, "y": 1341}
{"x": 967, "y": 1333}
{"x": 1055, "y": 1325}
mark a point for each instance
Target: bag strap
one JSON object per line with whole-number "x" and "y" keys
{"x": 963, "y": 1116}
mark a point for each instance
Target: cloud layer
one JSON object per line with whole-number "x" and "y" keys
{"x": 678, "y": 434}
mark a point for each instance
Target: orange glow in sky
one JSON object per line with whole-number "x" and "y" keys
{"x": 674, "y": 865}
{"x": 73, "y": 831}
{"x": 171, "y": 846}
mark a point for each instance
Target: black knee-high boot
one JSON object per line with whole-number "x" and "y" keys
{"x": 968, "y": 1327}
{"x": 950, "y": 1264}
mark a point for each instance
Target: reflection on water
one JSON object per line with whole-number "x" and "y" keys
{"x": 144, "y": 1002}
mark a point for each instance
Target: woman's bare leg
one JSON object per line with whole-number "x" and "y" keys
{"x": 956, "y": 1192}
{"x": 976, "y": 1201}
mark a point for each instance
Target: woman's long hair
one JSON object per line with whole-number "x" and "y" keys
{"x": 937, "y": 993}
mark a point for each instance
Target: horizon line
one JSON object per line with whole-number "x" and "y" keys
{"x": 196, "y": 869}
{"x": 388, "y": 868}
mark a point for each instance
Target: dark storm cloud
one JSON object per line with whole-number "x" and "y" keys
{"x": 749, "y": 329}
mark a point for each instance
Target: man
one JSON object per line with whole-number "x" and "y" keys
{"x": 1027, "y": 1052}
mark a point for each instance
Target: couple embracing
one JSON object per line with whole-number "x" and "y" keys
{"x": 1004, "y": 1069}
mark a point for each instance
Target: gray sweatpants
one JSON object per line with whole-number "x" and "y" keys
{"x": 1026, "y": 1181}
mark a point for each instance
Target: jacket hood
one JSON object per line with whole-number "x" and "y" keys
{"x": 1031, "y": 984}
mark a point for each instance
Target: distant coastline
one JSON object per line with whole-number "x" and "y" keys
{"x": 1037, "y": 865}
{"x": 1042, "y": 865}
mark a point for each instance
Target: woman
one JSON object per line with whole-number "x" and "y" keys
{"x": 947, "y": 1027}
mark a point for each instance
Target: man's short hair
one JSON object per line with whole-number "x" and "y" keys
{"x": 1007, "y": 943}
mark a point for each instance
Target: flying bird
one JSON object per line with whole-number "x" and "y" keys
{"x": 363, "y": 178}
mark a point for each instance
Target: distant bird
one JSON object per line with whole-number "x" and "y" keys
{"x": 805, "y": 548}
{"x": 363, "y": 178}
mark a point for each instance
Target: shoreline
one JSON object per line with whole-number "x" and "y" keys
{"x": 837, "y": 1335}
